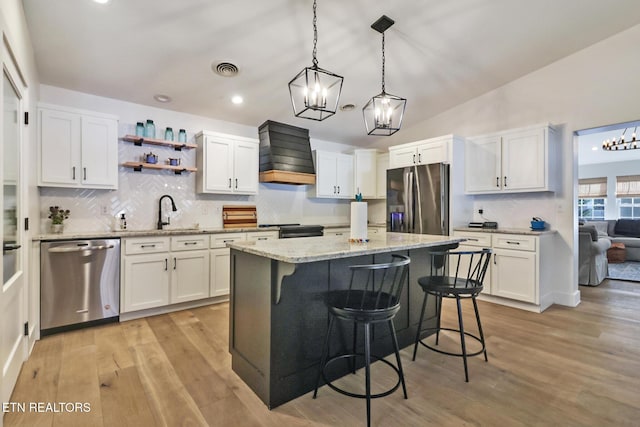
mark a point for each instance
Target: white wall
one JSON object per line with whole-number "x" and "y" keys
{"x": 138, "y": 192}
{"x": 610, "y": 171}
{"x": 578, "y": 92}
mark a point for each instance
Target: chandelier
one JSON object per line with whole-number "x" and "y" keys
{"x": 383, "y": 113}
{"x": 620, "y": 144}
{"x": 315, "y": 92}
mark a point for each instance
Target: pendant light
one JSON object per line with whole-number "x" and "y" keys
{"x": 621, "y": 144}
{"x": 315, "y": 92}
{"x": 383, "y": 113}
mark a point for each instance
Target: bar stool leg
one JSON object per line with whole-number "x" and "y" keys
{"x": 396, "y": 349}
{"x": 367, "y": 361}
{"x": 475, "y": 307}
{"x": 462, "y": 343}
{"x": 415, "y": 347}
{"x": 325, "y": 355}
{"x": 352, "y": 360}
{"x": 439, "y": 313}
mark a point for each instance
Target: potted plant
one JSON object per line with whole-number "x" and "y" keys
{"x": 57, "y": 216}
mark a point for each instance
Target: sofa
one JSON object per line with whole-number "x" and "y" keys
{"x": 593, "y": 265}
{"x": 625, "y": 231}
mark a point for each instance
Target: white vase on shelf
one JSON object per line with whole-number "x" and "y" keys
{"x": 57, "y": 228}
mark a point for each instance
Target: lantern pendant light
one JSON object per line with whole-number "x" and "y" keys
{"x": 384, "y": 112}
{"x": 315, "y": 92}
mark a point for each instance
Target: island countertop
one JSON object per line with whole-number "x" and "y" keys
{"x": 311, "y": 249}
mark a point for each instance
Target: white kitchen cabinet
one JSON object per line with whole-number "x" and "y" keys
{"x": 381, "y": 176}
{"x": 145, "y": 281}
{"x": 189, "y": 276}
{"x": 365, "y": 168}
{"x": 516, "y": 275}
{"x": 519, "y": 160}
{"x": 226, "y": 164}
{"x": 338, "y": 231}
{"x": 334, "y": 175}
{"x": 433, "y": 150}
{"x": 77, "y": 148}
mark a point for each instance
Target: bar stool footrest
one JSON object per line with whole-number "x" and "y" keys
{"x": 360, "y": 396}
{"x": 475, "y": 353}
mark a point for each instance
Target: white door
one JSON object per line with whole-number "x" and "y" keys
{"x": 514, "y": 275}
{"x": 344, "y": 176}
{"x": 99, "y": 152}
{"x": 13, "y": 312}
{"x": 523, "y": 160}
{"x": 245, "y": 168}
{"x": 482, "y": 173}
{"x": 145, "y": 281}
{"x": 59, "y": 140}
{"x": 220, "y": 272}
{"x": 190, "y": 276}
{"x": 326, "y": 174}
{"x": 218, "y": 165}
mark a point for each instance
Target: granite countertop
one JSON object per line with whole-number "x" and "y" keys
{"x": 346, "y": 225}
{"x": 310, "y": 249}
{"x": 145, "y": 233}
{"x": 523, "y": 231}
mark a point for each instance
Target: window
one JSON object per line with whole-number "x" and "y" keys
{"x": 592, "y": 208}
{"x": 628, "y": 196}
{"x": 592, "y": 198}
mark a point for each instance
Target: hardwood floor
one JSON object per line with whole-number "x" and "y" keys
{"x": 566, "y": 367}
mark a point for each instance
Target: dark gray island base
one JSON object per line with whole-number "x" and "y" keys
{"x": 278, "y": 319}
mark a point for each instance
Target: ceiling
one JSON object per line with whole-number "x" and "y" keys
{"x": 438, "y": 54}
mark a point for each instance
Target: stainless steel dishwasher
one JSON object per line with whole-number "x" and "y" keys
{"x": 79, "y": 283}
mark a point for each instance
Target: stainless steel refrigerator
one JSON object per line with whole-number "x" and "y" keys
{"x": 418, "y": 199}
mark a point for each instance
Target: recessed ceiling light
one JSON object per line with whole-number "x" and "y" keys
{"x": 162, "y": 98}
{"x": 594, "y": 148}
{"x": 101, "y": 1}
{"x": 348, "y": 107}
{"x": 237, "y": 99}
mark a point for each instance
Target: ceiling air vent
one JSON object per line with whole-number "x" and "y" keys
{"x": 225, "y": 69}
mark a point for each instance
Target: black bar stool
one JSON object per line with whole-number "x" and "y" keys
{"x": 372, "y": 297}
{"x": 458, "y": 275}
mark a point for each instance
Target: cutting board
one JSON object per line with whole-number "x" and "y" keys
{"x": 239, "y": 217}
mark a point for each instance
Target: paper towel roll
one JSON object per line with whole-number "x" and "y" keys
{"x": 359, "y": 220}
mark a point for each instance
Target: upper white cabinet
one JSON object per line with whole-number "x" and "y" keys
{"x": 519, "y": 160}
{"x": 334, "y": 175}
{"x": 226, "y": 164}
{"x": 365, "y": 165}
{"x": 381, "y": 177}
{"x": 77, "y": 148}
{"x": 434, "y": 150}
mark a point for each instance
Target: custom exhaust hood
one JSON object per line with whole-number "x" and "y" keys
{"x": 285, "y": 154}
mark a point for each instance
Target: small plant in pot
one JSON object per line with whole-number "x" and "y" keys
{"x": 57, "y": 216}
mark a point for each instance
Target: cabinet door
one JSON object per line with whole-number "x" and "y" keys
{"x": 344, "y": 176}
{"x": 381, "y": 176}
{"x": 514, "y": 275}
{"x": 400, "y": 157}
{"x": 365, "y": 173}
{"x": 245, "y": 168}
{"x": 218, "y": 165}
{"x": 433, "y": 152}
{"x": 326, "y": 165}
{"x": 220, "y": 272}
{"x": 59, "y": 140}
{"x": 145, "y": 281}
{"x": 524, "y": 165}
{"x": 189, "y": 276}
{"x": 99, "y": 153}
{"x": 482, "y": 165}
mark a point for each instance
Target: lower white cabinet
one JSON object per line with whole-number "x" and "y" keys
{"x": 164, "y": 270}
{"x": 515, "y": 272}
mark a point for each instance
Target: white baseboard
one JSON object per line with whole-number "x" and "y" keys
{"x": 173, "y": 307}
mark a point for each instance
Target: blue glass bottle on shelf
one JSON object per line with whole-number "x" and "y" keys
{"x": 182, "y": 136}
{"x": 150, "y": 129}
{"x": 139, "y": 129}
{"x": 168, "y": 134}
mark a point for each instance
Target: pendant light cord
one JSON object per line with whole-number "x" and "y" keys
{"x": 315, "y": 35}
{"x": 383, "y": 62}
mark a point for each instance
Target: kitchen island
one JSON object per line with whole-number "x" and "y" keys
{"x": 278, "y": 319}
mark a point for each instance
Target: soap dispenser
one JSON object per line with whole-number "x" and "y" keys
{"x": 123, "y": 222}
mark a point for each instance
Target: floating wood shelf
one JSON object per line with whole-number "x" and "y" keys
{"x": 139, "y": 140}
{"x": 138, "y": 166}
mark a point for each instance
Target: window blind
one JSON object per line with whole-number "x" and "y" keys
{"x": 592, "y": 187}
{"x": 628, "y": 186}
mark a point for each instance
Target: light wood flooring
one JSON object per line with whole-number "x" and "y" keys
{"x": 564, "y": 367}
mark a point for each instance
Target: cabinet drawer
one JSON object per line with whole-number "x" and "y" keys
{"x": 262, "y": 235}
{"x": 221, "y": 240}
{"x": 146, "y": 245}
{"x": 188, "y": 243}
{"x": 482, "y": 240}
{"x": 514, "y": 241}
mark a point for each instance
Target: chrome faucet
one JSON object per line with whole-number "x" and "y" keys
{"x": 173, "y": 207}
